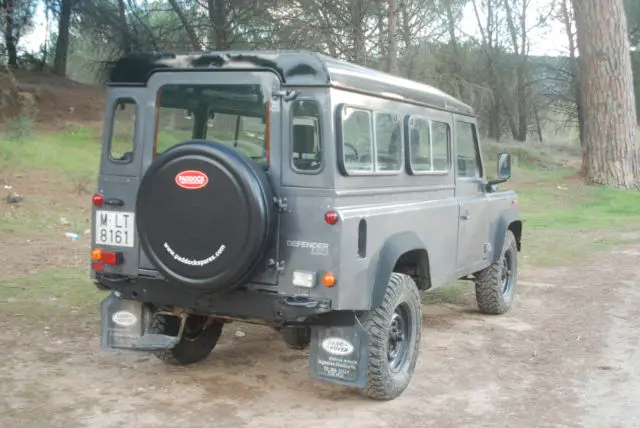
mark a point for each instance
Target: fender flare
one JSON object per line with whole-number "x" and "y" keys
{"x": 507, "y": 219}
{"x": 393, "y": 248}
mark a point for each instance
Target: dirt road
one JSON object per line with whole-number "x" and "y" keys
{"x": 567, "y": 355}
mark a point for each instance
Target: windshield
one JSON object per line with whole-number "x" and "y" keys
{"x": 235, "y": 115}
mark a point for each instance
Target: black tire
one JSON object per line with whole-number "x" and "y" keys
{"x": 205, "y": 215}
{"x": 496, "y": 284}
{"x": 297, "y": 337}
{"x": 391, "y": 365}
{"x": 196, "y": 343}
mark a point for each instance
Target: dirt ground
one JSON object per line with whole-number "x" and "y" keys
{"x": 567, "y": 355}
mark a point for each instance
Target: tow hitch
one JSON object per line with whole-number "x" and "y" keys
{"x": 125, "y": 324}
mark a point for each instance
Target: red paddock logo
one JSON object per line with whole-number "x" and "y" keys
{"x": 191, "y": 179}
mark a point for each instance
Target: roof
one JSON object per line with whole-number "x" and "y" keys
{"x": 295, "y": 68}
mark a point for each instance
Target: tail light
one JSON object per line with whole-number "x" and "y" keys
{"x": 331, "y": 217}
{"x": 98, "y": 200}
{"x": 328, "y": 279}
{"x": 106, "y": 257}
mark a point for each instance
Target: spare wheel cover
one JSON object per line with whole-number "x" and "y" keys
{"x": 205, "y": 215}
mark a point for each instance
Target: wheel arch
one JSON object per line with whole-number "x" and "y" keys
{"x": 403, "y": 253}
{"x": 509, "y": 220}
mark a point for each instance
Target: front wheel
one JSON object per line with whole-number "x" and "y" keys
{"x": 496, "y": 284}
{"x": 394, "y": 339}
{"x": 199, "y": 337}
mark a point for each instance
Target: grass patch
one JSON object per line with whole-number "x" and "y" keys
{"x": 453, "y": 293}
{"x": 74, "y": 152}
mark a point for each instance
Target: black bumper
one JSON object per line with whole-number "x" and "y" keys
{"x": 242, "y": 303}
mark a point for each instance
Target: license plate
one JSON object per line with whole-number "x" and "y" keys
{"x": 115, "y": 228}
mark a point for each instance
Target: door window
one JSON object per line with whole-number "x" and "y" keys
{"x": 123, "y": 131}
{"x": 468, "y": 154}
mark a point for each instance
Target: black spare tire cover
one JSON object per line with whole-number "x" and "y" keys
{"x": 205, "y": 215}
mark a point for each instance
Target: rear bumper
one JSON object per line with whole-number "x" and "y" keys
{"x": 268, "y": 306}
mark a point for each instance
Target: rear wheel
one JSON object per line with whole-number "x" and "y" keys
{"x": 200, "y": 336}
{"x": 394, "y": 339}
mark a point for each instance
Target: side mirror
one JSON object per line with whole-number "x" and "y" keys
{"x": 504, "y": 166}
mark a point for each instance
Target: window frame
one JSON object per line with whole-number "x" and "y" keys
{"x": 114, "y": 108}
{"x": 407, "y": 143}
{"x": 476, "y": 149}
{"x": 373, "y": 142}
{"x": 320, "y": 141}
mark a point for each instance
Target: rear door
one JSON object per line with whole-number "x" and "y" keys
{"x": 113, "y": 221}
{"x": 166, "y": 126}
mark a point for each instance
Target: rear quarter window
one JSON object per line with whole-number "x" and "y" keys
{"x": 123, "y": 130}
{"x": 306, "y": 144}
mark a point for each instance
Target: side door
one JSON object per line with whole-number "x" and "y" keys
{"x": 473, "y": 228}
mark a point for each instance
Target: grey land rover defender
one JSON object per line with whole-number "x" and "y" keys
{"x": 295, "y": 190}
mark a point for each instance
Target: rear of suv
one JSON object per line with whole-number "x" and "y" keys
{"x": 294, "y": 190}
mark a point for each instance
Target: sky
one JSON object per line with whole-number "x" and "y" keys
{"x": 548, "y": 41}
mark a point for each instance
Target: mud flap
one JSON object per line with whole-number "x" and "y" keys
{"x": 339, "y": 355}
{"x": 125, "y": 325}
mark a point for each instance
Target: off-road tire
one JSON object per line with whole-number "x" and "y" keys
{"x": 492, "y": 297}
{"x": 188, "y": 350}
{"x": 297, "y": 337}
{"x": 383, "y": 382}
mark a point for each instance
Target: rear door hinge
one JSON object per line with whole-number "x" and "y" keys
{"x": 281, "y": 203}
{"x": 286, "y": 95}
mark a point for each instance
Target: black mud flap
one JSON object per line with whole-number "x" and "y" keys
{"x": 339, "y": 354}
{"x": 125, "y": 325}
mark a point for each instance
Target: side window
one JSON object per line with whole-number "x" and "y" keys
{"x": 419, "y": 145}
{"x": 357, "y": 141}
{"x": 468, "y": 156}
{"x": 123, "y": 131}
{"x": 388, "y": 143}
{"x": 440, "y": 146}
{"x": 306, "y": 145}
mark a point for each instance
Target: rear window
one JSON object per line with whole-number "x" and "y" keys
{"x": 235, "y": 115}
{"x": 306, "y": 147}
{"x": 123, "y": 131}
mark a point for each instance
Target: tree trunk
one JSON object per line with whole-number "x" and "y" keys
{"x": 9, "y": 37}
{"x": 392, "y": 54}
{"x": 218, "y": 24}
{"x": 62, "y": 43}
{"x": 607, "y": 93}
{"x": 191, "y": 34}
{"x": 125, "y": 41}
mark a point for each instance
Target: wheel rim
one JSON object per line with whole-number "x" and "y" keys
{"x": 399, "y": 336}
{"x": 194, "y": 327}
{"x": 507, "y": 273}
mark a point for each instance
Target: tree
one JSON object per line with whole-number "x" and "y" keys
{"x": 607, "y": 93}
{"x": 62, "y": 42}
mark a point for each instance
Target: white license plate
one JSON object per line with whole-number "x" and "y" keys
{"x": 115, "y": 228}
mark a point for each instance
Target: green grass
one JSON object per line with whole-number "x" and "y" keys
{"x": 74, "y": 152}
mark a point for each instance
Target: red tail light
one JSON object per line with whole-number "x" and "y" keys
{"x": 97, "y": 200}
{"x": 331, "y": 217}
{"x": 106, "y": 257}
{"x": 98, "y": 267}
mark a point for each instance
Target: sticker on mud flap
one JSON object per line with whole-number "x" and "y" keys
{"x": 338, "y": 357}
{"x": 124, "y": 318}
{"x": 316, "y": 248}
{"x": 190, "y": 262}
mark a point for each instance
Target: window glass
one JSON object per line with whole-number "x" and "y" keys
{"x": 440, "y": 143}
{"x": 230, "y": 114}
{"x": 357, "y": 142}
{"x": 468, "y": 158}
{"x": 420, "y": 145}
{"x": 429, "y": 146}
{"x": 123, "y": 131}
{"x": 306, "y": 154}
{"x": 388, "y": 142}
